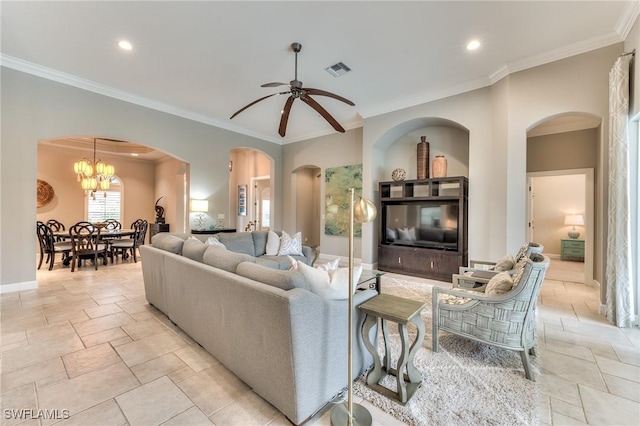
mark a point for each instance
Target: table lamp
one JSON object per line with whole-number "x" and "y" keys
{"x": 353, "y": 414}
{"x": 574, "y": 219}
{"x": 201, "y": 207}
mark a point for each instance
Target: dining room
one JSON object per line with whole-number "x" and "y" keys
{"x": 138, "y": 181}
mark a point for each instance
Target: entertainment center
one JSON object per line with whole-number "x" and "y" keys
{"x": 424, "y": 227}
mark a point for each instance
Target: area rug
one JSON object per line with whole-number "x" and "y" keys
{"x": 465, "y": 383}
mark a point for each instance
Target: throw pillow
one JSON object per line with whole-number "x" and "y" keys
{"x": 194, "y": 249}
{"x": 214, "y": 241}
{"x": 273, "y": 244}
{"x": 330, "y": 266}
{"x": 522, "y": 252}
{"x": 331, "y": 285}
{"x": 407, "y": 234}
{"x": 519, "y": 270}
{"x": 500, "y": 284}
{"x": 505, "y": 263}
{"x": 290, "y": 245}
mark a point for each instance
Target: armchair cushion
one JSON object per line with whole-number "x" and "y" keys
{"x": 500, "y": 283}
{"x": 505, "y": 263}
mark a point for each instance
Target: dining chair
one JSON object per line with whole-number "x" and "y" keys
{"x": 86, "y": 244}
{"x": 112, "y": 224}
{"x": 130, "y": 244}
{"x": 49, "y": 245}
{"x": 56, "y": 226}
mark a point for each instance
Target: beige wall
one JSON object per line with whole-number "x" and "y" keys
{"x": 337, "y": 149}
{"x": 35, "y": 109}
{"x": 563, "y": 151}
{"x": 170, "y": 177}
{"x": 55, "y": 165}
{"x": 555, "y": 197}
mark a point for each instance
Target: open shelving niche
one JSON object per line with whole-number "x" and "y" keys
{"x": 423, "y": 255}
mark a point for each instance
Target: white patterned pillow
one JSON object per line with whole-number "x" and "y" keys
{"x": 290, "y": 245}
{"x": 273, "y": 244}
{"x": 214, "y": 241}
{"x": 331, "y": 285}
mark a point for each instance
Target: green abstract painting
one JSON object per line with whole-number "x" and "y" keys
{"x": 338, "y": 181}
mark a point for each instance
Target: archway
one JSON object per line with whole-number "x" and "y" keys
{"x": 251, "y": 172}
{"x": 307, "y": 186}
{"x": 562, "y": 156}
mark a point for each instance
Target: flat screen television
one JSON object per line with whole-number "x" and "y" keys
{"x": 430, "y": 224}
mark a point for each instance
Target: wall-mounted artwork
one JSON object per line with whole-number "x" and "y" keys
{"x": 242, "y": 200}
{"x": 338, "y": 180}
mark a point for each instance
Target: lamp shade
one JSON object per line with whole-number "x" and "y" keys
{"x": 364, "y": 210}
{"x": 574, "y": 219}
{"x": 199, "y": 205}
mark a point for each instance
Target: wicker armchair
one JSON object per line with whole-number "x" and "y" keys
{"x": 481, "y": 271}
{"x": 507, "y": 321}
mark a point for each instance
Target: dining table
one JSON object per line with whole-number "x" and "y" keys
{"x": 105, "y": 235}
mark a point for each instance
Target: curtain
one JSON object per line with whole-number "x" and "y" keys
{"x": 619, "y": 290}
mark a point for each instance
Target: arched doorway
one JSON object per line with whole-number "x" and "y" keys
{"x": 562, "y": 156}
{"x": 252, "y": 197}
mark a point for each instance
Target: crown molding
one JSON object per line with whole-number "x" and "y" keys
{"x": 627, "y": 19}
{"x": 409, "y": 102}
{"x": 564, "y": 52}
{"x": 353, "y": 124}
{"x": 81, "y": 83}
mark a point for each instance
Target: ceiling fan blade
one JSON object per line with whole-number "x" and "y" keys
{"x": 329, "y": 94}
{"x": 323, "y": 112}
{"x": 256, "y": 101}
{"x": 275, "y": 84}
{"x": 285, "y": 116}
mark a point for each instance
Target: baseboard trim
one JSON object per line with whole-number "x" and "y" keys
{"x": 10, "y": 288}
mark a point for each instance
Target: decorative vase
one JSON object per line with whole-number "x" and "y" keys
{"x": 398, "y": 174}
{"x": 423, "y": 158}
{"x": 439, "y": 166}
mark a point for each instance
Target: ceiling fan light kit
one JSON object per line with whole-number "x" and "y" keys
{"x": 296, "y": 91}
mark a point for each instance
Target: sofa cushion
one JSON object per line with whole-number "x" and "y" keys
{"x": 194, "y": 249}
{"x": 225, "y": 259}
{"x": 167, "y": 242}
{"x": 331, "y": 285}
{"x": 239, "y": 242}
{"x": 269, "y": 263}
{"x": 273, "y": 244}
{"x": 259, "y": 242}
{"x": 282, "y": 261}
{"x": 290, "y": 245}
{"x": 285, "y": 280}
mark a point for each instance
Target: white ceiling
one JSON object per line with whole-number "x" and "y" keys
{"x": 205, "y": 60}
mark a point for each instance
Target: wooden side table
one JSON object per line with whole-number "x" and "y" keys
{"x": 401, "y": 311}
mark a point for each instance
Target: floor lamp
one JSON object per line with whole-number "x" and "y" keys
{"x": 353, "y": 414}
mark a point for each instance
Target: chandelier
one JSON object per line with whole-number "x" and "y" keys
{"x": 93, "y": 175}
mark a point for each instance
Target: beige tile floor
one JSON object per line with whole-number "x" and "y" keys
{"x": 88, "y": 342}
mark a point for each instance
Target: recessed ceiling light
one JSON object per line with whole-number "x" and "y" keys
{"x": 473, "y": 45}
{"x": 125, "y": 45}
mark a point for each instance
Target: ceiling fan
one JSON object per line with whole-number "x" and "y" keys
{"x": 296, "y": 91}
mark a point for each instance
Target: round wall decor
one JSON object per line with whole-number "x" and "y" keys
{"x": 398, "y": 174}
{"x": 45, "y": 193}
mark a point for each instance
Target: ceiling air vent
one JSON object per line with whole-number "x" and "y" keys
{"x": 338, "y": 69}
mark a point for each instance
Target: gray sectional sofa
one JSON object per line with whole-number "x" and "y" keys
{"x": 264, "y": 324}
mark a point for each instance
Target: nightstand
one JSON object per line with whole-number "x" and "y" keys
{"x": 572, "y": 250}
